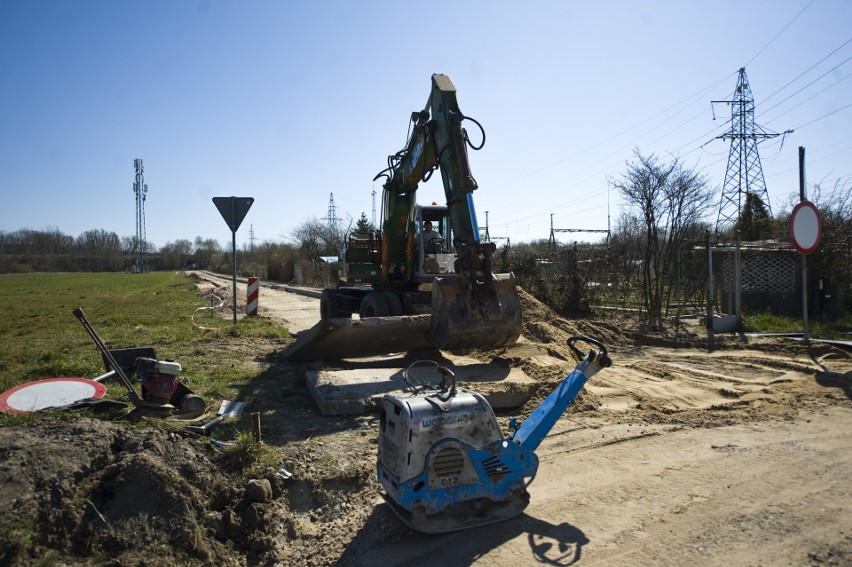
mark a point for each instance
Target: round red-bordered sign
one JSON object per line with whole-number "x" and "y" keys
{"x": 53, "y": 392}
{"x": 805, "y": 227}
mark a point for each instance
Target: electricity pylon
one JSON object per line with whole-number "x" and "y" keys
{"x": 744, "y": 174}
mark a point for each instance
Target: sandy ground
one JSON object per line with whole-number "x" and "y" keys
{"x": 674, "y": 456}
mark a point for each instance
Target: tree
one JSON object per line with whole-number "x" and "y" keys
{"x": 832, "y": 260}
{"x": 754, "y": 222}
{"x": 175, "y": 254}
{"x": 671, "y": 201}
{"x": 128, "y": 246}
{"x": 99, "y": 241}
{"x": 364, "y": 226}
{"x": 314, "y": 238}
{"x": 206, "y": 251}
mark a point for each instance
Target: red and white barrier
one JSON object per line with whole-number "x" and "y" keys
{"x": 252, "y": 297}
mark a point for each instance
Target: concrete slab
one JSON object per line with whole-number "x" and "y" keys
{"x": 338, "y": 339}
{"x": 359, "y": 391}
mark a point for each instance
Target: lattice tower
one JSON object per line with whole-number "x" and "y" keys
{"x": 140, "y": 188}
{"x": 332, "y": 211}
{"x": 744, "y": 174}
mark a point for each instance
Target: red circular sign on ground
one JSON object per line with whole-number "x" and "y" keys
{"x": 805, "y": 227}
{"x": 53, "y": 392}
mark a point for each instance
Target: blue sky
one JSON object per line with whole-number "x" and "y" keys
{"x": 292, "y": 101}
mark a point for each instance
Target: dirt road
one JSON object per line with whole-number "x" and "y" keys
{"x": 298, "y": 311}
{"x": 738, "y": 457}
{"x": 767, "y": 493}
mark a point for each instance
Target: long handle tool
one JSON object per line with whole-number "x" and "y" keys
{"x": 228, "y": 408}
{"x": 134, "y": 397}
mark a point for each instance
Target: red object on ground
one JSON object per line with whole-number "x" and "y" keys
{"x": 52, "y": 392}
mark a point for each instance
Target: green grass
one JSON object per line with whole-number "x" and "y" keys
{"x": 765, "y": 322}
{"x": 41, "y": 338}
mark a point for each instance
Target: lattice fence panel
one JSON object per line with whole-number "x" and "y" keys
{"x": 761, "y": 271}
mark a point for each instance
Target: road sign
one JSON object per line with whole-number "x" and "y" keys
{"x": 52, "y": 392}
{"x": 233, "y": 209}
{"x": 805, "y": 227}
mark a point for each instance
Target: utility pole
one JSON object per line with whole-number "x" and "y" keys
{"x": 744, "y": 174}
{"x": 551, "y": 243}
{"x": 140, "y": 188}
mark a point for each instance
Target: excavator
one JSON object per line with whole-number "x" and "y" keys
{"x": 396, "y": 271}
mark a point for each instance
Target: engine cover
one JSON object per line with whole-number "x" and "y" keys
{"x": 159, "y": 378}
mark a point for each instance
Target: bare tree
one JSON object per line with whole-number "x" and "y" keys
{"x": 206, "y": 251}
{"x": 671, "y": 200}
{"x": 175, "y": 254}
{"x": 315, "y": 238}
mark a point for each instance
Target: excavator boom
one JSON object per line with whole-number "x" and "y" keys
{"x": 474, "y": 308}
{"x": 392, "y": 275}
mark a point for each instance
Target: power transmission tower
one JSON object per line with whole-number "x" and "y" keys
{"x": 744, "y": 174}
{"x": 374, "y": 207}
{"x": 332, "y": 211}
{"x": 486, "y": 237}
{"x": 251, "y": 238}
{"x": 140, "y": 188}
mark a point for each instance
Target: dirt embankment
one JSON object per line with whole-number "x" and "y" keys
{"x": 673, "y": 456}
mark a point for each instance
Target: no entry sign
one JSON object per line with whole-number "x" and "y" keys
{"x": 805, "y": 227}
{"x": 52, "y": 392}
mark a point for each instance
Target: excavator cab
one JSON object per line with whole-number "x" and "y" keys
{"x": 433, "y": 253}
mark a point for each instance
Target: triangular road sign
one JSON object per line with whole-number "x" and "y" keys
{"x": 233, "y": 209}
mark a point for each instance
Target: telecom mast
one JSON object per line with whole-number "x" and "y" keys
{"x": 744, "y": 174}
{"x": 140, "y": 188}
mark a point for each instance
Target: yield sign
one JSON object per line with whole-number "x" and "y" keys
{"x": 233, "y": 209}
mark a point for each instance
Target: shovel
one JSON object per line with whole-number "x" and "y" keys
{"x": 227, "y": 409}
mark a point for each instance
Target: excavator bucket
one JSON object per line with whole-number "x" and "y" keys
{"x": 483, "y": 317}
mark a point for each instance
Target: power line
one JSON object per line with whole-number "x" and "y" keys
{"x": 823, "y": 116}
{"x": 806, "y": 86}
{"x": 789, "y": 110}
{"x": 762, "y": 49}
{"x": 806, "y": 71}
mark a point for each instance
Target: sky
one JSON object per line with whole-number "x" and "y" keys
{"x": 293, "y": 102}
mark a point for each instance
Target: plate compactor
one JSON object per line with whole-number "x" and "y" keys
{"x": 443, "y": 461}
{"x": 163, "y": 394}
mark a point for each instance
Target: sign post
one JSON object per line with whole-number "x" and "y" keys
{"x": 806, "y": 232}
{"x": 233, "y": 210}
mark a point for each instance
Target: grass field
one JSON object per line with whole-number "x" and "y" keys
{"x": 41, "y": 338}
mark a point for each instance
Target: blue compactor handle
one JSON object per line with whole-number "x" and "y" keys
{"x": 536, "y": 427}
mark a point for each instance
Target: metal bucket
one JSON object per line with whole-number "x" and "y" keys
{"x": 483, "y": 316}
